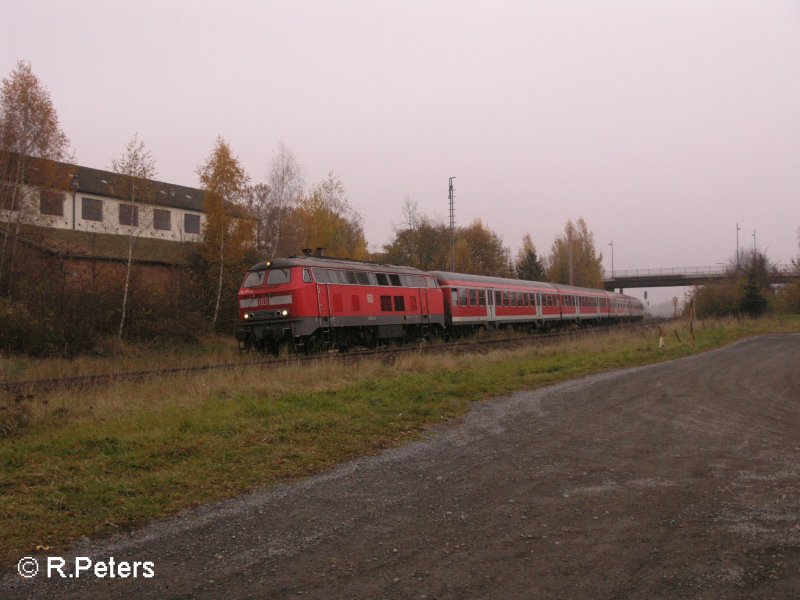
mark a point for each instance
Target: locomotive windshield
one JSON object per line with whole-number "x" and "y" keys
{"x": 254, "y": 278}
{"x": 273, "y": 277}
{"x": 277, "y": 276}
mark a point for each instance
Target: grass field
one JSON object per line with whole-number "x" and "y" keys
{"x": 91, "y": 462}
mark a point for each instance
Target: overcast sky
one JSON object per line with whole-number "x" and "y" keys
{"x": 662, "y": 123}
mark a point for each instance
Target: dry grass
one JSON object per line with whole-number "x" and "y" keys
{"x": 129, "y": 452}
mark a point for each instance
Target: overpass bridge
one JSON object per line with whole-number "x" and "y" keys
{"x": 685, "y": 276}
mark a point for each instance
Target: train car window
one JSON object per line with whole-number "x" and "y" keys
{"x": 395, "y": 279}
{"x": 362, "y": 278}
{"x": 473, "y": 297}
{"x": 506, "y": 299}
{"x": 279, "y": 276}
{"x": 351, "y": 277}
{"x": 526, "y": 299}
{"x": 498, "y": 299}
{"x": 399, "y": 303}
{"x": 386, "y": 303}
{"x": 356, "y": 302}
{"x": 307, "y": 275}
{"x": 513, "y": 298}
{"x": 382, "y": 279}
{"x": 481, "y": 297}
{"x": 254, "y": 278}
{"x": 462, "y": 296}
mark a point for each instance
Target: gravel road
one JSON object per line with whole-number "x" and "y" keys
{"x": 678, "y": 480}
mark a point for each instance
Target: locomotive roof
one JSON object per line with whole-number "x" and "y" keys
{"x": 334, "y": 263}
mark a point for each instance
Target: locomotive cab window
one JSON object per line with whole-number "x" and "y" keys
{"x": 395, "y": 279}
{"x": 279, "y": 276}
{"x": 382, "y": 279}
{"x": 307, "y": 275}
{"x": 254, "y": 279}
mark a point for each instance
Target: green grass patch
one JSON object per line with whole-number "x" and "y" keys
{"x": 92, "y": 462}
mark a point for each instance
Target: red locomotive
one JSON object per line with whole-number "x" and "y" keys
{"x": 314, "y": 303}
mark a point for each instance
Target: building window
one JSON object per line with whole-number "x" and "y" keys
{"x": 91, "y": 209}
{"x": 161, "y": 219}
{"x": 129, "y": 215}
{"x": 51, "y": 203}
{"x": 191, "y": 223}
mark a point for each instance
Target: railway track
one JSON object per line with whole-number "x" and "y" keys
{"x": 34, "y": 386}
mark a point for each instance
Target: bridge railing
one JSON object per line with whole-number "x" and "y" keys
{"x": 715, "y": 271}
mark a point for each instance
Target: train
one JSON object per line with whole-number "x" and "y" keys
{"x": 312, "y": 304}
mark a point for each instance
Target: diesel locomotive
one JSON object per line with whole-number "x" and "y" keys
{"x": 311, "y": 304}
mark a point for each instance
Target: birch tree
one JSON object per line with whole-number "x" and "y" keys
{"x": 285, "y": 189}
{"x": 225, "y": 237}
{"x": 135, "y": 170}
{"x": 29, "y": 130}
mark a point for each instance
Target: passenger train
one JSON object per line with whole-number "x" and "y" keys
{"x": 312, "y": 304}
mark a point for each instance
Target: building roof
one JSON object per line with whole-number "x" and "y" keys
{"x": 66, "y": 176}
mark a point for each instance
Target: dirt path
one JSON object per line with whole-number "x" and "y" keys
{"x": 678, "y": 480}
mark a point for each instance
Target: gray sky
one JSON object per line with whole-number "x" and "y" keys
{"x": 662, "y": 123}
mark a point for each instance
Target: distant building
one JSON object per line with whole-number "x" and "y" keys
{"x": 80, "y": 214}
{"x": 92, "y": 200}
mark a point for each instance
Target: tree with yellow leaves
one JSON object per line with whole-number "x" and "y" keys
{"x": 573, "y": 259}
{"x": 325, "y": 219}
{"x": 227, "y": 236}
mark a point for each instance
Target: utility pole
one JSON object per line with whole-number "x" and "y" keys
{"x": 452, "y": 226}
{"x": 738, "y": 229}
{"x": 612, "y": 258}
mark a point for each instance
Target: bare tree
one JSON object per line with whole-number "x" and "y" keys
{"x": 256, "y": 199}
{"x": 285, "y": 188}
{"x": 29, "y": 129}
{"x": 136, "y": 169}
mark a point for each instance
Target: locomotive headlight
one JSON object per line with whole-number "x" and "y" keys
{"x": 284, "y": 313}
{"x": 246, "y": 316}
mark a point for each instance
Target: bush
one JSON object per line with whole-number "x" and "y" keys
{"x": 718, "y": 299}
{"x": 789, "y": 298}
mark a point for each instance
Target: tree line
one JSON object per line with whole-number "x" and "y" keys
{"x": 246, "y": 221}
{"x": 746, "y": 290}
